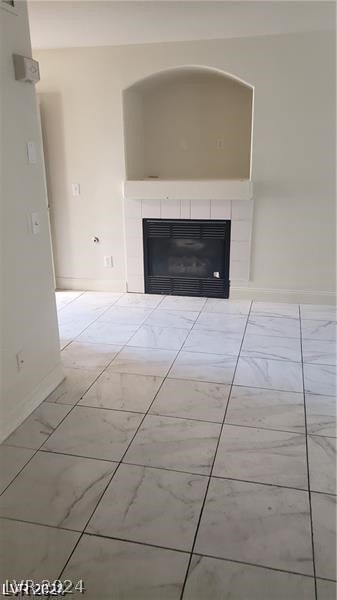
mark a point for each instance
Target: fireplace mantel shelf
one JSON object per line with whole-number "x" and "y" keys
{"x": 212, "y": 189}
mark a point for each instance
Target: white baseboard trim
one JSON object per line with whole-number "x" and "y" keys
{"x": 238, "y": 290}
{"x": 275, "y": 295}
{"x": 92, "y": 285}
{"x": 23, "y": 409}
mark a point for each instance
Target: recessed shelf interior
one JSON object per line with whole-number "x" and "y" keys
{"x": 188, "y": 123}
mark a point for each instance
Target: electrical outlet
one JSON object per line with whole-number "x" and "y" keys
{"x": 20, "y": 360}
{"x": 108, "y": 262}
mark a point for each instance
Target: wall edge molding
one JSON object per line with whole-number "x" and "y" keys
{"x": 236, "y": 291}
{"x": 94, "y": 285}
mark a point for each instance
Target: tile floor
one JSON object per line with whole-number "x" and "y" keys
{"x": 190, "y": 453}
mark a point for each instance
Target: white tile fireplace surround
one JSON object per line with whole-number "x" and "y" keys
{"x": 188, "y": 200}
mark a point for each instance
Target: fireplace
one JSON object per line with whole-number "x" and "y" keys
{"x": 187, "y": 257}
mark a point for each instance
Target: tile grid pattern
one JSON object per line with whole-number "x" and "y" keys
{"x": 47, "y": 400}
{"x": 107, "y": 485}
{"x": 158, "y": 306}
{"x": 211, "y": 471}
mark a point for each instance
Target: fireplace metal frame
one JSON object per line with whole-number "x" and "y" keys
{"x": 211, "y": 287}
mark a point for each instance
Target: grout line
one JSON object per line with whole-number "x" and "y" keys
{"x": 239, "y": 562}
{"x": 308, "y": 468}
{"x": 30, "y": 522}
{"x": 159, "y": 547}
{"x": 80, "y": 404}
{"x": 173, "y": 470}
{"x": 212, "y": 467}
{"x": 71, "y": 301}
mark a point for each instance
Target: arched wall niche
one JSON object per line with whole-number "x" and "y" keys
{"x": 188, "y": 123}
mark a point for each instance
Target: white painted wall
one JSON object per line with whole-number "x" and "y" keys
{"x": 28, "y": 312}
{"x": 196, "y": 125}
{"x": 293, "y": 247}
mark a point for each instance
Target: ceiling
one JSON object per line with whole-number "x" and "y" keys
{"x": 73, "y": 23}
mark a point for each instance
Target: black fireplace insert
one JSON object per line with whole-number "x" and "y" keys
{"x": 187, "y": 257}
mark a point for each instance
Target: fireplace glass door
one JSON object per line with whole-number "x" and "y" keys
{"x": 186, "y": 257}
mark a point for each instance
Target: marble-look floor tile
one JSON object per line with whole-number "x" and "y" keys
{"x": 319, "y": 352}
{"x": 269, "y": 409}
{"x": 229, "y": 307}
{"x": 172, "y": 318}
{"x": 35, "y": 430}
{"x": 273, "y": 326}
{"x": 216, "y": 342}
{"x": 326, "y": 590}
{"x": 277, "y": 348}
{"x": 216, "y": 368}
{"x": 122, "y": 391}
{"x": 182, "y": 303}
{"x": 152, "y": 336}
{"x": 82, "y": 310}
{"x": 146, "y": 300}
{"x": 226, "y": 580}
{"x": 71, "y": 325}
{"x": 319, "y": 330}
{"x": 55, "y": 489}
{"x": 52, "y": 548}
{"x": 180, "y": 444}
{"x": 324, "y": 509}
{"x": 102, "y": 332}
{"x": 144, "y": 361}
{"x": 64, "y": 297}
{"x": 263, "y": 456}
{"x": 322, "y": 454}
{"x": 275, "y": 309}
{"x": 319, "y": 312}
{"x": 124, "y": 315}
{"x": 78, "y": 314}
{"x": 84, "y": 355}
{"x": 74, "y": 386}
{"x": 320, "y": 379}
{"x": 128, "y": 571}
{"x": 270, "y": 374}
{"x": 321, "y": 415}
{"x": 12, "y": 460}
{"x": 242, "y": 521}
{"x": 192, "y": 400}
{"x": 152, "y": 506}
{"x": 228, "y": 324}
{"x": 75, "y": 311}
{"x": 100, "y": 299}
{"x": 95, "y": 433}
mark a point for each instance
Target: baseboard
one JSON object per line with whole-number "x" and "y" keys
{"x": 94, "y": 285}
{"x": 238, "y": 290}
{"x": 23, "y": 409}
{"x": 275, "y": 295}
